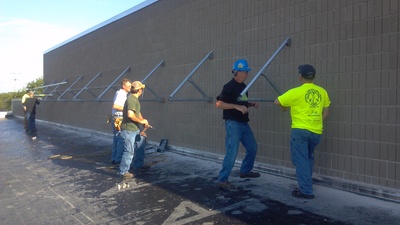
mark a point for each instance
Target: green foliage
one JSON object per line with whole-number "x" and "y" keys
{"x": 34, "y": 84}
{"x": 6, "y": 98}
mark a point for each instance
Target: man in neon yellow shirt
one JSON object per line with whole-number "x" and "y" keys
{"x": 26, "y": 95}
{"x": 309, "y": 106}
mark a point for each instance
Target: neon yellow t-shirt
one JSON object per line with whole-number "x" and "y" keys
{"x": 24, "y": 98}
{"x": 306, "y": 104}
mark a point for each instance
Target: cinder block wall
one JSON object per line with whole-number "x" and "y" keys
{"x": 354, "y": 46}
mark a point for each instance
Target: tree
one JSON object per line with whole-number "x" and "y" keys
{"x": 34, "y": 84}
{"x": 6, "y": 98}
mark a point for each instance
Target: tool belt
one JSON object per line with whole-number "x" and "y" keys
{"x": 117, "y": 120}
{"x": 117, "y": 123}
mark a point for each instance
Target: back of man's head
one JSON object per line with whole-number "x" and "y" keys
{"x": 307, "y": 71}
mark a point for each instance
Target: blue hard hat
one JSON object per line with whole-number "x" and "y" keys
{"x": 241, "y": 65}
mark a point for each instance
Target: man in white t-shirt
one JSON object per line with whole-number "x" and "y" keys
{"x": 117, "y": 108}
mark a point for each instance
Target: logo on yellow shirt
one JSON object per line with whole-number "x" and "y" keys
{"x": 313, "y": 98}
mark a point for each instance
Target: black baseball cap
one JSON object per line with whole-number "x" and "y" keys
{"x": 307, "y": 71}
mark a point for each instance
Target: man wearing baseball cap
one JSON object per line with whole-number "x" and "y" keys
{"x": 132, "y": 118}
{"x": 309, "y": 106}
{"x": 236, "y": 116}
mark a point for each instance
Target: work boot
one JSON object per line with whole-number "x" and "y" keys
{"x": 127, "y": 175}
{"x": 298, "y": 194}
{"x": 226, "y": 185}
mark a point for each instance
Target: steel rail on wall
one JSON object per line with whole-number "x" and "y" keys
{"x": 46, "y": 87}
{"x": 158, "y": 98}
{"x": 210, "y": 55}
{"x": 172, "y": 97}
{"x": 72, "y": 91}
{"x": 287, "y": 42}
{"x": 52, "y": 92}
{"x": 60, "y": 98}
{"x": 49, "y": 96}
{"x": 85, "y": 88}
{"x": 98, "y": 98}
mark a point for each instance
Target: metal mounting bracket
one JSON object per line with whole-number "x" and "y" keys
{"x": 210, "y": 55}
{"x": 287, "y": 42}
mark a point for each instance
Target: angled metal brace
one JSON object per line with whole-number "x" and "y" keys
{"x": 45, "y": 89}
{"x": 272, "y": 85}
{"x": 50, "y": 85}
{"x": 54, "y": 91}
{"x": 287, "y": 42}
{"x": 210, "y": 55}
{"x": 110, "y": 86}
{"x": 69, "y": 88}
{"x": 158, "y": 98}
{"x": 76, "y": 98}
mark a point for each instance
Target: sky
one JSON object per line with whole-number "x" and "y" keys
{"x": 28, "y": 28}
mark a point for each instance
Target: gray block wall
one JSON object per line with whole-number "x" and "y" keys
{"x": 354, "y": 46}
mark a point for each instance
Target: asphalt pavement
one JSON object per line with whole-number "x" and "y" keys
{"x": 64, "y": 176}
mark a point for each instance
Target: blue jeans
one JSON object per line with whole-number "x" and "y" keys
{"x": 138, "y": 158}
{"x": 129, "y": 149}
{"x": 25, "y": 121}
{"x": 302, "y": 146}
{"x": 31, "y": 121}
{"x": 118, "y": 145}
{"x": 237, "y": 132}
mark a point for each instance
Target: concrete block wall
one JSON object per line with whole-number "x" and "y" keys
{"x": 354, "y": 46}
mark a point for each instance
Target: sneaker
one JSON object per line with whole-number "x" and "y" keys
{"x": 226, "y": 185}
{"x": 250, "y": 175}
{"x": 297, "y": 194}
{"x": 127, "y": 175}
